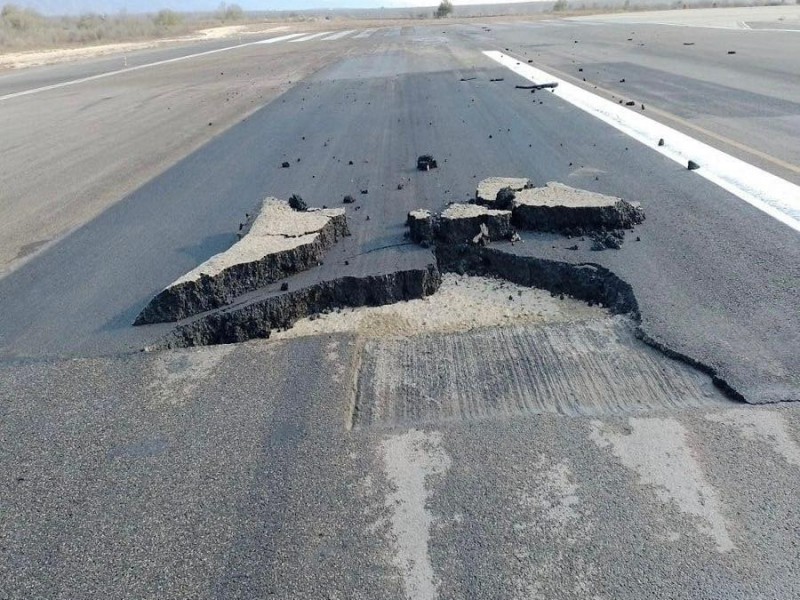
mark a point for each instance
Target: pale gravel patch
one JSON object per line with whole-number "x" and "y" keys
{"x": 176, "y": 375}
{"x": 410, "y": 461}
{"x": 466, "y": 211}
{"x": 552, "y": 499}
{"x": 554, "y": 495}
{"x": 462, "y": 303}
{"x": 764, "y": 425}
{"x": 658, "y": 451}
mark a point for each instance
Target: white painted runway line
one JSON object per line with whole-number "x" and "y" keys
{"x": 311, "y": 37}
{"x": 338, "y": 36}
{"x": 364, "y": 34}
{"x": 64, "y": 84}
{"x": 775, "y": 196}
{"x": 282, "y": 38}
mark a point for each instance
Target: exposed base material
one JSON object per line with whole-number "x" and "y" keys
{"x": 256, "y": 320}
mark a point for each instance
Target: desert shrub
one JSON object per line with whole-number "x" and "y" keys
{"x": 444, "y": 9}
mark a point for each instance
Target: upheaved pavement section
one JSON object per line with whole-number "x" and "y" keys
{"x": 459, "y": 223}
{"x": 276, "y": 241}
{"x": 491, "y": 440}
{"x": 701, "y": 273}
{"x": 557, "y": 207}
{"x": 257, "y": 316}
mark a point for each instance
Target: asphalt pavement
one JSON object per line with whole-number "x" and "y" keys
{"x": 234, "y": 472}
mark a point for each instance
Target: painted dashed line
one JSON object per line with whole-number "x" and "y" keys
{"x": 72, "y": 82}
{"x": 310, "y": 37}
{"x": 338, "y": 36}
{"x": 282, "y": 38}
{"x": 767, "y": 192}
{"x": 364, "y": 34}
{"x": 292, "y": 37}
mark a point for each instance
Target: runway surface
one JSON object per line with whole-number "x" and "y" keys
{"x": 236, "y": 472}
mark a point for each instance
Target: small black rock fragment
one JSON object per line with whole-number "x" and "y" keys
{"x": 504, "y": 199}
{"x": 426, "y": 162}
{"x": 284, "y": 287}
{"x": 348, "y": 199}
{"x": 297, "y": 203}
{"x": 692, "y": 166}
{"x": 285, "y": 165}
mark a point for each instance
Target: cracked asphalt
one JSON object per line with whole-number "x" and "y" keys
{"x": 235, "y": 472}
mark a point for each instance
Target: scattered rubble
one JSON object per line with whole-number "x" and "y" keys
{"x": 426, "y": 162}
{"x": 482, "y": 238}
{"x": 489, "y": 188}
{"x": 276, "y": 242}
{"x": 602, "y": 240}
{"x": 297, "y": 203}
{"x": 539, "y": 86}
{"x": 561, "y": 209}
{"x": 505, "y": 199}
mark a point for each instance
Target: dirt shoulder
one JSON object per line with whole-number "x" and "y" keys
{"x": 51, "y": 56}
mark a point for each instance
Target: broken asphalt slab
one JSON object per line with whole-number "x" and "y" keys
{"x": 276, "y": 241}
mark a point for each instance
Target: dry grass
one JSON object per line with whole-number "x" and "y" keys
{"x": 26, "y": 29}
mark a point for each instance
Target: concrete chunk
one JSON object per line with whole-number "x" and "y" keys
{"x": 560, "y": 208}
{"x": 460, "y": 223}
{"x": 420, "y": 225}
{"x": 488, "y": 188}
{"x": 275, "y": 242}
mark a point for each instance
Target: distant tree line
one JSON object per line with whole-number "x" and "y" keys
{"x": 24, "y": 28}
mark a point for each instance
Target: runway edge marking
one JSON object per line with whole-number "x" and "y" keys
{"x": 168, "y": 61}
{"x": 769, "y": 193}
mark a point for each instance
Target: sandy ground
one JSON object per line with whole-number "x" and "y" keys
{"x": 37, "y": 58}
{"x": 463, "y": 303}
